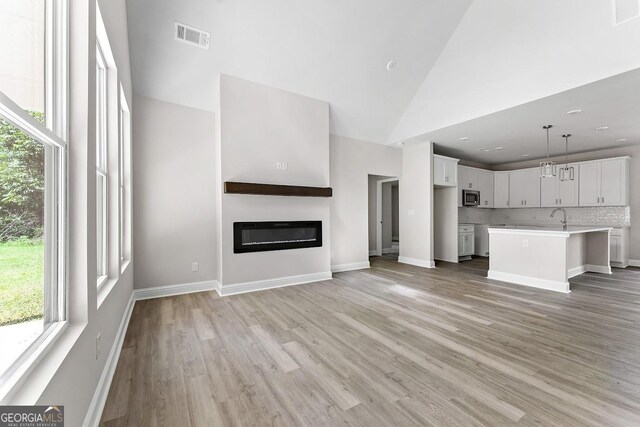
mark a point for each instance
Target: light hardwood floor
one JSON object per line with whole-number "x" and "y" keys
{"x": 393, "y": 345}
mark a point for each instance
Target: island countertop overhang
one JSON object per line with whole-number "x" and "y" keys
{"x": 557, "y": 231}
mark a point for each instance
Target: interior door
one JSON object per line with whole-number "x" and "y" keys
{"x": 611, "y": 179}
{"x": 589, "y": 194}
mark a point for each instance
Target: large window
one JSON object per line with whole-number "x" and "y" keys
{"x": 32, "y": 181}
{"x": 102, "y": 177}
{"x": 124, "y": 157}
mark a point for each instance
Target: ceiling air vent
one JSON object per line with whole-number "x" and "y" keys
{"x": 191, "y": 35}
{"x": 625, "y": 10}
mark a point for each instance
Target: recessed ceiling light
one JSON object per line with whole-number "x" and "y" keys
{"x": 574, "y": 112}
{"x": 525, "y": 155}
{"x": 391, "y": 65}
{"x": 602, "y": 128}
{"x": 621, "y": 140}
{"x": 402, "y": 142}
{"x": 499, "y": 148}
{"x": 484, "y": 149}
{"x": 464, "y": 138}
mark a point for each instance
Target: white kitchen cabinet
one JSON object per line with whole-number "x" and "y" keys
{"x": 604, "y": 182}
{"x": 466, "y": 240}
{"x": 501, "y": 189}
{"x": 619, "y": 247}
{"x": 557, "y": 193}
{"x": 524, "y": 188}
{"x": 445, "y": 171}
{"x": 468, "y": 178}
{"x": 485, "y": 186}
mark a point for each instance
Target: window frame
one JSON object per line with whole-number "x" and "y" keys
{"x": 102, "y": 166}
{"x": 54, "y": 136}
{"x": 124, "y": 173}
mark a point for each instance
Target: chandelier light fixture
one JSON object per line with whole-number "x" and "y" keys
{"x": 567, "y": 172}
{"x": 548, "y": 168}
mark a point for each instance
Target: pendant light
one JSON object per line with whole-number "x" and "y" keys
{"x": 548, "y": 168}
{"x": 566, "y": 173}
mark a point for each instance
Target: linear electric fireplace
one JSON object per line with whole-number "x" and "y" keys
{"x": 276, "y": 235}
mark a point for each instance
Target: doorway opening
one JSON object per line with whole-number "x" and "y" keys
{"x": 384, "y": 216}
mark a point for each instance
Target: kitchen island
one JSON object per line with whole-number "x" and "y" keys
{"x": 547, "y": 257}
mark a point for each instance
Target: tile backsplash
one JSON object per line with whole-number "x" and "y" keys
{"x": 608, "y": 216}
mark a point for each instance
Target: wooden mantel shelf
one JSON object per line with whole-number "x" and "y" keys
{"x": 276, "y": 190}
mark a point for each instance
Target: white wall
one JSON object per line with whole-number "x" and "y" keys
{"x": 174, "y": 215}
{"x": 508, "y": 52}
{"x": 70, "y": 372}
{"x": 352, "y": 162}
{"x": 259, "y": 126}
{"x": 416, "y": 205}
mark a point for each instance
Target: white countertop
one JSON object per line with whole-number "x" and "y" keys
{"x": 546, "y": 229}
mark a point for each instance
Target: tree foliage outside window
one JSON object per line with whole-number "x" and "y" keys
{"x": 22, "y": 164}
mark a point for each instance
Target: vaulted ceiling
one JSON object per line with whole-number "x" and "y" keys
{"x": 334, "y": 50}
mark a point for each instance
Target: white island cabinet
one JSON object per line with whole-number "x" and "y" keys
{"x": 547, "y": 257}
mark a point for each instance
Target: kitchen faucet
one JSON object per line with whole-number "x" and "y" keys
{"x": 564, "y": 221}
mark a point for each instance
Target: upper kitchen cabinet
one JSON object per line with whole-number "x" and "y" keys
{"x": 445, "y": 171}
{"x": 476, "y": 180}
{"x": 485, "y": 187}
{"x": 524, "y": 188}
{"x": 501, "y": 189}
{"x": 604, "y": 182}
{"x": 468, "y": 178}
{"x": 555, "y": 192}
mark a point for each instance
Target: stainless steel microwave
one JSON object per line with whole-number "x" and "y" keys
{"x": 470, "y": 198}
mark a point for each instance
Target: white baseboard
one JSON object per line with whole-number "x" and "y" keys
{"x": 416, "y": 262}
{"x": 184, "y": 288}
{"x": 573, "y": 272}
{"x": 260, "y": 285}
{"x": 349, "y": 267}
{"x": 550, "y": 285}
{"x": 387, "y": 250}
{"x": 634, "y": 262}
{"x": 603, "y": 269}
{"x": 96, "y": 407}
{"x": 373, "y": 253}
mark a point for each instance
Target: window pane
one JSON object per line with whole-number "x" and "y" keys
{"x": 22, "y": 231}
{"x": 101, "y": 228}
{"x": 22, "y": 49}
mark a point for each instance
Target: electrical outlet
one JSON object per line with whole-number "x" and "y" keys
{"x": 98, "y": 346}
{"x": 195, "y": 267}
{"x": 279, "y": 165}
{"x": 525, "y": 243}
{"x": 285, "y": 166}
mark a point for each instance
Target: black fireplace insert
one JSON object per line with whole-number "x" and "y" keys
{"x": 276, "y": 235}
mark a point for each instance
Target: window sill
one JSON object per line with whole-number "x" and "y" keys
{"x": 36, "y": 372}
{"x": 124, "y": 265}
{"x": 105, "y": 289}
